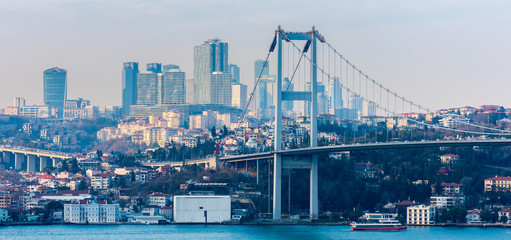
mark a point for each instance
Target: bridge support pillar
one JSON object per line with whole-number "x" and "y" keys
{"x": 43, "y": 162}
{"x": 54, "y": 162}
{"x": 314, "y": 204}
{"x": 31, "y": 162}
{"x": 6, "y": 158}
{"x": 19, "y": 158}
{"x": 277, "y": 186}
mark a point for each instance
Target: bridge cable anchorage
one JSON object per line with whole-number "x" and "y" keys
{"x": 272, "y": 48}
{"x": 387, "y": 110}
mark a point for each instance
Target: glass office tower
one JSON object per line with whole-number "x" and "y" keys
{"x": 55, "y": 89}
{"x": 129, "y": 86}
{"x": 211, "y": 56}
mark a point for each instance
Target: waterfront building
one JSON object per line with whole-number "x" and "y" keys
{"x": 235, "y": 73}
{"x": 420, "y": 215}
{"x": 129, "y": 86}
{"x": 154, "y": 67}
{"x": 497, "y": 184}
{"x": 447, "y": 201}
{"x": 202, "y": 209}
{"x": 6, "y": 200}
{"x": 505, "y": 213}
{"x": 55, "y": 89}
{"x": 173, "y": 87}
{"x": 239, "y": 95}
{"x": 147, "y": 88}
{"x": 211, "y": 56}
{"x": 169, "y": 67}
{"x": 474, "y": 216}
{"x": 160, "y": 199}
{"x": 91, "y": 212}
{"x": 4, "y": 215}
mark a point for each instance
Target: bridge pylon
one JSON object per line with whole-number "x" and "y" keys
{"x": 311, "y": 37}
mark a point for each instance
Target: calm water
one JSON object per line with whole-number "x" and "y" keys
{"x": 242, "y": 232}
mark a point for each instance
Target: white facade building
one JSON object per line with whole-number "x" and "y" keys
{"x": 91, "y": 213}
{"x": 420, "y": 215}
{"x": 202, "y": 209}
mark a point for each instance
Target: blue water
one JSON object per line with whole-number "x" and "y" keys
{"x": 241, "y": 232}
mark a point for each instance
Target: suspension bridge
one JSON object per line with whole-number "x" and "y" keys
{"x": 357, "y": 95}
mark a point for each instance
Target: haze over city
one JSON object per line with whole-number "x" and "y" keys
{"x": 438, "y": 53}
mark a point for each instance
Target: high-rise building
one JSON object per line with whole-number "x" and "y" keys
{"x": 153, "y": 67}
{"x": 369, "y": 108}
{"x": 322, "y": 99}
{"x": 235, "y": 72}
{"x": 221, "y": 88}
{"x": 168, "y": 67}
{"x": 55, "y": 89}
{"x": 239, "y": 95}
{"x": 211, "y": 56}
{"x": 356, "y": 103}
{"x": 173, "y": 87}
{"x": 129, "y": 86}
{"x": 148, "y": 92}
{"x": 19, "y": 102}
{"x": 287, "y": 86}
{"x": 190, "y": 91}
{"x": 262, "y": 71}
{"x": 334, "y": 93}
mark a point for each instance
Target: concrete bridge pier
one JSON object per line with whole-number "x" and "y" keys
{"x": 6, "y": 157}
{"x": 314, "y": 203}
{"x": 43, "y": 162}
{"x": 55, "y": 161}
{"x": 19, "y": 158}
{"x": 31, "y": 162}
{"x": 277, "y": 186}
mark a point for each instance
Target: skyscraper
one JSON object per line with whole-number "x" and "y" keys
{"x": 173, "y": 87}
{"x": 168, "y": 67}
{"x": 239, "y": 95}
{"x": 129, "y": 86}
{"x": 262, "y": 70}
{"x": 287, "y": 86}
{"x": 235, "y": 72}
{"x": 334, "y": 94}
{"x": 211, "y": 56}
{"x": 154, "y": 67}
{"x": 322, "y": 99}
{"x": 356, "y": 103}
{"x": 55, "y": 89}
{"x": 148, "y": 91}
{"x": 221, "y": 88}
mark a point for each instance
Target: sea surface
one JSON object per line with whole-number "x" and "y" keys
{"x": 241, "y": 232}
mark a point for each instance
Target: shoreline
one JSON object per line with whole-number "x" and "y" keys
{"x": 459, "y": 225}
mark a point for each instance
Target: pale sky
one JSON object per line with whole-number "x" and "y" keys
{"x": 440, "y": 53}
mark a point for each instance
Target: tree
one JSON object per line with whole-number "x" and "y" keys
{"x": 503, "y": 219}
{"x": 65, "y": 166}
{"x": 82, "y": 185}
{"x": 213, "y": 132}
{"x": 74, "y": 166}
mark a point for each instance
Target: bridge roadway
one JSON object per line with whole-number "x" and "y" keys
{"x": 368, "y": 146}
{"x": 30, "y": 156}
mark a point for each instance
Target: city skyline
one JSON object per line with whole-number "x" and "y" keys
{"x": 401, "y": 44}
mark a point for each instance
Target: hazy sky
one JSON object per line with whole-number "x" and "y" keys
{"x": 441, "y": 53}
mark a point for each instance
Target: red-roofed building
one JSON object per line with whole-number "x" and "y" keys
{"x": 474, "y": 216}
{"x": 497, "y": 184}
{"x": 445, "y": 171}
{"x": 507, "y": 213}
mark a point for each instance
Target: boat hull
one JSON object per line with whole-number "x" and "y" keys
{"x": 389, "y": 228}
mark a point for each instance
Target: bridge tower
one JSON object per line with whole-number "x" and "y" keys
{"x": 309, "y": 161}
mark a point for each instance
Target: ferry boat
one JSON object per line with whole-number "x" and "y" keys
{"x": 378, "y": 222}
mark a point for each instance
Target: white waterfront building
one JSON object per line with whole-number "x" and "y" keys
{"x": 91, "y": 212}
